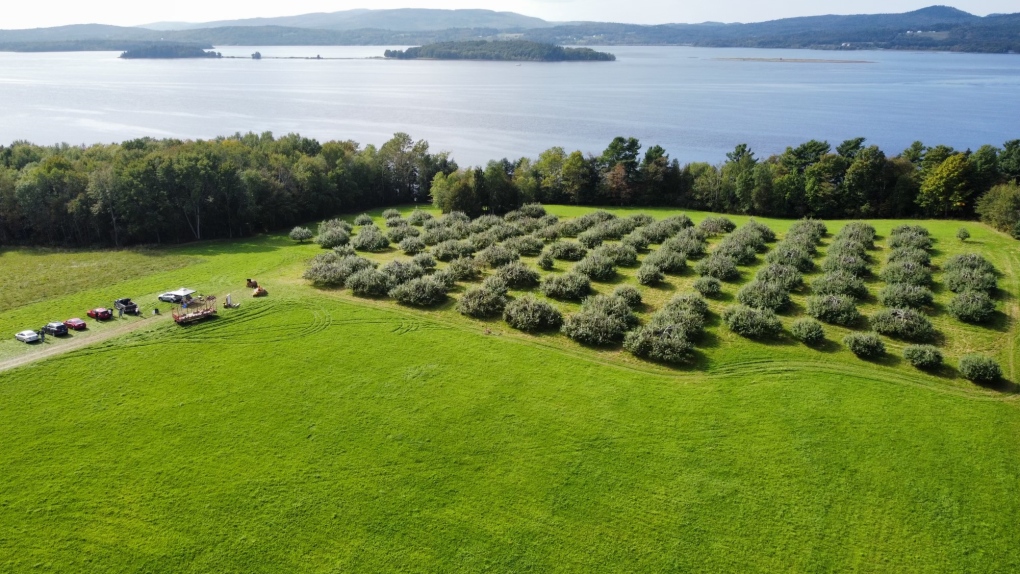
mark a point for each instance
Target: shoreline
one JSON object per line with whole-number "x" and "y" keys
{"x": 794, "y": 60}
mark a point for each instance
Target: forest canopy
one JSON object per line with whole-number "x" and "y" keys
{"x": 168, "y": 51}
{"x": 170, "y": 191}
{"x": 504, "y": 50}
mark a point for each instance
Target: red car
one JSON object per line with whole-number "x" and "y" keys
{"x": 76, "y": 324}
{"x": 101, "y": 313}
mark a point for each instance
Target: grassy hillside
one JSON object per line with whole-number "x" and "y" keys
{"x": 315, "y": 431}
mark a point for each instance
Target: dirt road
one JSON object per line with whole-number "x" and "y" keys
{"x": 56, "y": 346}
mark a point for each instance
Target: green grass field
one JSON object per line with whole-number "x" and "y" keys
{"x": 313, "y": 431}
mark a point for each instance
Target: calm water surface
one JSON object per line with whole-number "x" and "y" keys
{"x": 695, "y": 102}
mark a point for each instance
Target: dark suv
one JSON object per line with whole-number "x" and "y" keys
{"x": 55, "y": 329}
{"x": 126, "y": 305}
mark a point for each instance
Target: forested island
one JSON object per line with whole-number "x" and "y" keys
{"x": 501, "y": 50}
{"x": 168, "y": 51}
{"x": 169, "y": 191}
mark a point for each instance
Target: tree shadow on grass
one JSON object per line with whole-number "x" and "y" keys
{"x": 999, "y": 321}
{"x": 687, "y": 271}
{"x": 448, "y": 304}
{"x": 663, "y": 287}
{"x": 745, "y": 276}
{"x": 1002, "y": 385}
{"x": 872, "y": 276}
{"x": 780, "y": 340}
{"x": 885, "y": 360}
{"x": 868, "y": 299}
{"x": 614, "y": 347}
{"x": 793, "y": 309}
{"x": 712, "y": 319}
{"x": 936, "y": 310}
{"x": 616, "y": 279}
{"x": 827, "y": 346}
{"x": 708, "y": 340}
{"x": 698, "y": 362}
{"x": 1000, "y": 294}
{"x": 643, "y": 308}
{"x": 943, "y": 371}
{"x": 723, "y": 297}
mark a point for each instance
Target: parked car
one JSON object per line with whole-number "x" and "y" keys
{"x": 127, "y": 305}
{"x": 27, "y": 336}
{"x": 100, "y": 313}
{"x": 178, "y": 296}
{"x": 56, "y": 329}
{"x": 76, "y": 324}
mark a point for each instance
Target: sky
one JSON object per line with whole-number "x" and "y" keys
{"x": 134, "y": 12}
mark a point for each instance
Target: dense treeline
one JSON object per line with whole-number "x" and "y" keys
{"x": 512, "y": 50}
{"x": 168, "y": 51}
{"x": 158, "y": 191}
{"x": 813, "y": 179}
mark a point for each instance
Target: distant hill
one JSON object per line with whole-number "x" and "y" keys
{"x": 81, "y": 37}
{"x": 940, "y": 27}
{"x": 933, "y": 15}
{"x": 77, "y": 32}
{"x": 934, "y": 28}
{"x": 406, "y": 19}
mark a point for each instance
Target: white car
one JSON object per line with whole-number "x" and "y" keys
{"x": 27, "y": 336}
{"x": 176, "y": 296}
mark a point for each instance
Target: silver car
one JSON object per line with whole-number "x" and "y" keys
{"x": 27, "y": 336}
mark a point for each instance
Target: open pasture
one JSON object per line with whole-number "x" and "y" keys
{"x": 318, "y": 431}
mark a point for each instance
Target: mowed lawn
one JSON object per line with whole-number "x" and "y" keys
{"x": 314, "y": 432}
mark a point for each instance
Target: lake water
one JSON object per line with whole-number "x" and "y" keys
{"x": 696, "y": 102}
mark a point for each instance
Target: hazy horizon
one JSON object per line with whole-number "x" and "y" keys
{"x": 124, "y": 13}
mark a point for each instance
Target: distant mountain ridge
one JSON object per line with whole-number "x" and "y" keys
{"x": 933, "y": 28}
{"x": 402, "y": 19}
{"x": 425, "y": 19}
